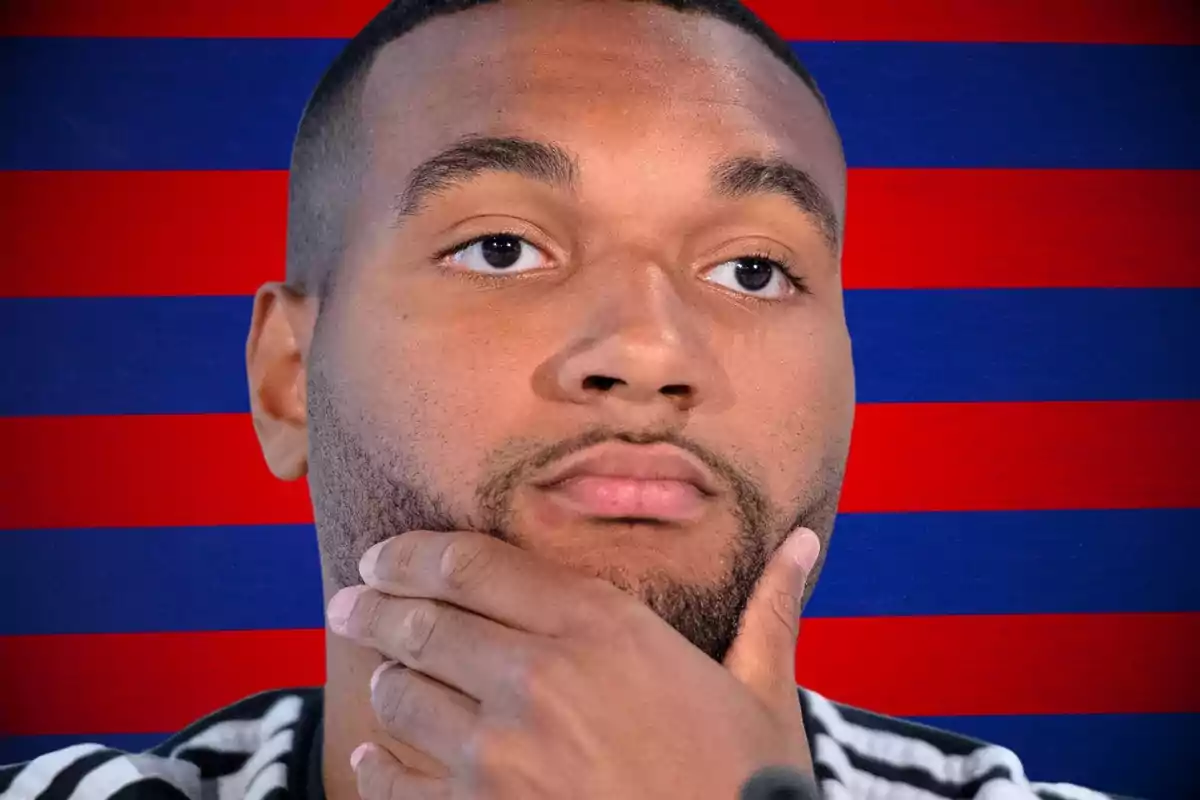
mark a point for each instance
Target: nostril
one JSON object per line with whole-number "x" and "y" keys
{"x": 600, "y": 383}
{"x": 676, "y": 390}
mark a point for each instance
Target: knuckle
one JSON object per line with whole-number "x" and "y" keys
{"x": 376, "y": 782}
{"x": 397, "y": 557}
{"x": 382, "y": 777}
{"x": 537, "y": 677}
{"x": 395, "y": 698}
{"x": 487, "y": 751}
{"x": 395, "y": 785}
{"x": 463, "y": 563}
{"x": 419, "y": 625}
{"x": 786, "y": 607}
{"x": 366, "y": 616}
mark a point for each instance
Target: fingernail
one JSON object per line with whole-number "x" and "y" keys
{"x": 807, "y": 548}
{"x": 341, "y": 605}
{"x": 357, "y": 755}
{"x": 379, "y": 671}
{"x": 366, "y": 565}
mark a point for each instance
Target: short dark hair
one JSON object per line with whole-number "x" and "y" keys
{"x": 328, "y": 154}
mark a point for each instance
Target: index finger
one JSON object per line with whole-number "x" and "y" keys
{"x": 482, "y": 574}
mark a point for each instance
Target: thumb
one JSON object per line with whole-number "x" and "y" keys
{"x": 763, "y": 655}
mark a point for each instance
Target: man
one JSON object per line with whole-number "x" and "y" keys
{"x": 562, "y": 353}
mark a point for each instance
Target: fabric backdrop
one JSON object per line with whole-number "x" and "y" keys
{"x": 1018, "y": 553}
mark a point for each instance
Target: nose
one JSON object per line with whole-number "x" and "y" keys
{"x": 626, "y": 369}
{"x": 638, "y": 344}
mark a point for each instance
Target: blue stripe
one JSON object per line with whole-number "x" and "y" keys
{"x": 18, "y": 749}
{"x": 144, "y": 580}
{"x": 1137, "y": 755}
{"x": 234, "y": 103}
{"x": 1133, "y": 755}
{"x": 183, "y": 355}
{"x": 1011, "y": 562}
{"x": 993, "y": 345}
{"x": 244, "y": 578}
{"x": 939, "y": 104}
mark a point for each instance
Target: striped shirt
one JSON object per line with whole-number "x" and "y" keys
{"x": 268, "y": 747}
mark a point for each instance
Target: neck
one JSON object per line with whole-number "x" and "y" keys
{"x": 350, "y": 720}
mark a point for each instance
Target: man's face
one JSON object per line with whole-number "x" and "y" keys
{"x": 605, "y": 308}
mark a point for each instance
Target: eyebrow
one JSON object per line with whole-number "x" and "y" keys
{"x": 735, "y": 178}
{"x": 746, "y": 176}
{"x": 474, "y": 155}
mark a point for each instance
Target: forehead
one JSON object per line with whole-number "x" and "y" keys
{"x": 610, "y": 81}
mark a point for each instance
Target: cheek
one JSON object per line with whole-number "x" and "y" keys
{"x": 795, "y": 401}
{"x": 444, "y": 394}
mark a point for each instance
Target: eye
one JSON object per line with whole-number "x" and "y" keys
{"x": 497, "y": 253}
{"x": 754, "y": 275}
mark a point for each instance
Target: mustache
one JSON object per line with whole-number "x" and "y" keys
{"x": 494, "y": 492}
{"x": 596, "y": 436}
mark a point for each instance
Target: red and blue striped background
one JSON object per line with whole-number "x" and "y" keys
{"x": 1019, "y": 556}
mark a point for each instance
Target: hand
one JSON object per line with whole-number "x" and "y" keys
{"x": 528, "y": 680}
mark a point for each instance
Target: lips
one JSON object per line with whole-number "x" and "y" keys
{"x": 631, "y": 482}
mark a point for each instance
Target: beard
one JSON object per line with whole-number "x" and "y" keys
{"x": 363, "y": 495}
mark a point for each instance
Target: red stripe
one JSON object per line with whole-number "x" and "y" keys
{"x": 143, "y": 683}
{"x": 1024, "y": 456}
{"x": 85, "y": 234}
{"x": 1136, "y": 663}
{"x": 1043, "y": 664}
{"x": 1084, "y": 21}
{"x": 1094, "y": 21}
{"x": 207, "y": 469}
{"x": 196, "y": 233}
{"x": 140, "y": 470}
{"x": 909, "y": 229}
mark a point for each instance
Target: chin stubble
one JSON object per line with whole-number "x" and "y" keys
{"x": 358, "y": 502}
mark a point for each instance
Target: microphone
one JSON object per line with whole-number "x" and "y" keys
{"x": 779, "y": 783}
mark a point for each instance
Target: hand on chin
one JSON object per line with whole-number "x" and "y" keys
{"x": 523, "y": 679}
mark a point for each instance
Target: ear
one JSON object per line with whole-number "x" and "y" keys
{"x": 276, "y": 366}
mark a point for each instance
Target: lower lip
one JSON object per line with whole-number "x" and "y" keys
{"x": 629, "y": 498}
